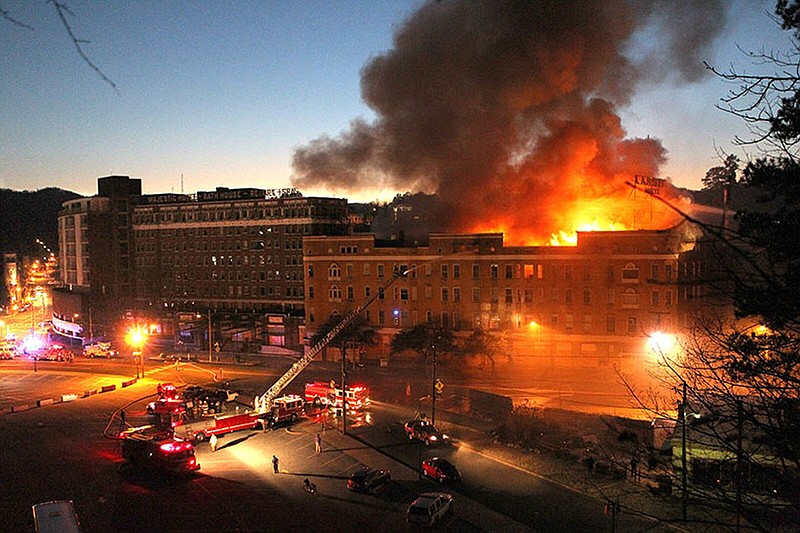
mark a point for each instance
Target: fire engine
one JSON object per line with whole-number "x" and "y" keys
{"x": 201, "y": 429}
{"x": 168, "y": 402}
{"x": 264, "y": 403}
{"x": 158, "y": 453}
{"x": 328, "y": 393}
{"x": 284, "y": 409}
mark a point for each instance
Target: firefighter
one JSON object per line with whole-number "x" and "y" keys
{"x": 213, "y": 443}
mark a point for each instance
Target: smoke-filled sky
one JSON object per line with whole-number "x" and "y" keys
{"x": 489, "y": 103}
{"x": 509, "y": 109}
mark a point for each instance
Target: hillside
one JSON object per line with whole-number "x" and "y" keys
{"x": 29, "y": 215}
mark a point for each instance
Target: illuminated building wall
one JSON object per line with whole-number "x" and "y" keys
{"x": 600, "y": 298}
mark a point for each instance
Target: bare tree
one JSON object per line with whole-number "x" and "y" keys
{"x": 64, "y": 14}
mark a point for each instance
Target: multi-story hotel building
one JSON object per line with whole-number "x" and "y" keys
{"x": 601, "y": 298}
{"x": 231, "y": 249}
{"x": 172, "y": 259}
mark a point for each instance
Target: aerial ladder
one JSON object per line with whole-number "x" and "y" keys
{"x": 263, "y": 403}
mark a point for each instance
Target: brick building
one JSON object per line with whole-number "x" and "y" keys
{"x": 600, "y": 299}
{"x": 232, "y": 249}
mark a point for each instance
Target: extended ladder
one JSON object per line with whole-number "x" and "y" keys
{"x": 263, "y": 403}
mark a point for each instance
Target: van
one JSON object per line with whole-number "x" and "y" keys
{"x": 57, "y": 516}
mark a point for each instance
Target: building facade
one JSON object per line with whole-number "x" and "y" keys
{"x": 95, "y": 243}
{"x": 239, "y": 249}
{"x": 601, "y": 299}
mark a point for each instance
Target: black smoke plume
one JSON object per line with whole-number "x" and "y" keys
{"x": 508, "y": 109}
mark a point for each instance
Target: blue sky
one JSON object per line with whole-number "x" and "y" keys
{"x": 224, "y": 92}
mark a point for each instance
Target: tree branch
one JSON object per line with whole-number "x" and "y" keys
{"x": 62, "y": 8}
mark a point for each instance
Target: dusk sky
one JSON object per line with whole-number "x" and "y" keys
{"x": 224, "y": 93}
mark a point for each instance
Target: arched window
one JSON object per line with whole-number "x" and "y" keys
{"x": 630, "y": 274}
{"x": 335, "y": 294}
{"x": 630, "y": 298}
{"x": 334, "y": 272}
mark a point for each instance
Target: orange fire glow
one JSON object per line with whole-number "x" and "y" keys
{"x": 558, "y": 223}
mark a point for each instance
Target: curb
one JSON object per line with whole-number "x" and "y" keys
{"x": 64, "y": 398}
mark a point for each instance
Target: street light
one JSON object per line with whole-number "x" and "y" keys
{"x": 136, "y": 338}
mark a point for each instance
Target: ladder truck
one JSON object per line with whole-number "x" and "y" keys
{"x": 264, "y": 403}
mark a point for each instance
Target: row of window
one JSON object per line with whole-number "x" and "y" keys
{"x": 562, "y": 323}
{"x": 219, "y": 261}
{"x": 239, "y": 275}
{"x": 182, "y": 245}
{"x": 630, "y": 272}
{"x": 630, "y": 296}
{"x": 231, "y": 291}
{"x": 199, "y": 213}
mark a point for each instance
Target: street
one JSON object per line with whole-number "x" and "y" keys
{"x": 60, "y": 451}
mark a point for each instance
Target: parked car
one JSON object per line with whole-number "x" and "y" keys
{"x": 369, "y": 480}
{"x": 429, "y": 509}
{"x": 422, "y": 429}
{"x": 440, "y": 470}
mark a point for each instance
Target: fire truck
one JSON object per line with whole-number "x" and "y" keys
{"x": 201, "y": 429}
{"x": 329, "y": 394}
{"x": 159, "y": 453}
{"x": 168, "y": 401}
{"x": 265, "y": 402}
{"x": 285, "y": 409}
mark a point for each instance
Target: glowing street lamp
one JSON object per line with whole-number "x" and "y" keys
{"x": 660, "y": 343}
{"x": 136, "y": 338}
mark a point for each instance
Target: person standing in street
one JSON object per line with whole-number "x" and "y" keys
{"x": 213, "y": 443}
{"x": 275, "y": 464}
{"x": 318, "y": 443}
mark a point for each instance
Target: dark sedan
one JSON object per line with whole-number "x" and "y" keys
{"x": 440, "y": 470}
{"x": 369, "y": 480}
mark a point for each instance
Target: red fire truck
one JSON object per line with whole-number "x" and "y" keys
{"x": 285, "y": 409}
{"x": 158, "y": 453}
{"x": 328, "y": 393}
{"x": 168, "y": 402}
{"x": 201, "y": 429}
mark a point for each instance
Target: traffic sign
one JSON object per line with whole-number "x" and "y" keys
{"x": 439, "y": 386}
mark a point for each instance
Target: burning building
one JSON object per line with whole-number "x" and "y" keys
{"x": 509, "y": 111}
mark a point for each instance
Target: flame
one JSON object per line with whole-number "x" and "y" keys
{"x": 558, "y": 222}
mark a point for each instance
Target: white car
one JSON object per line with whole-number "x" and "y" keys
{"x": 430, "y": 508}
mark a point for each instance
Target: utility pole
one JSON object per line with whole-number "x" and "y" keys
{"x": 344, "y": 388}
{"x": 682, "y": 414}
{"x": 209, "y": 335}
{"x": 433, "y": 388}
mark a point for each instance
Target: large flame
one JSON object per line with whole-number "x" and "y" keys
{"x": 508, "y": 111}
{"x": 636, "y": 210}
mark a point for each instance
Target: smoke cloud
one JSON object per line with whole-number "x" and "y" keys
{"x": 507, "y": 109}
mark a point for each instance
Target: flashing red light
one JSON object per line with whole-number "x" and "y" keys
{"x": 174, "y": 447}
